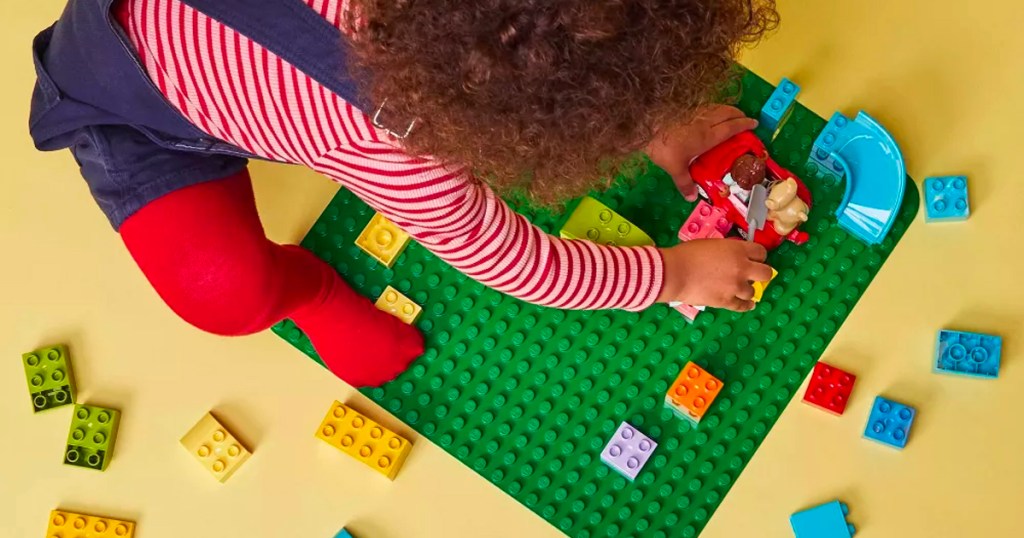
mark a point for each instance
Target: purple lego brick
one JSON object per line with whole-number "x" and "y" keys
{"x": 628, "y": 451}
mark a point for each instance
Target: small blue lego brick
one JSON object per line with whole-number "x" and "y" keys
{"x": 779, "y": 105}
{"x": 969, "y": 354}
{"x": 343, "y": 534}
{"x": 945, "y": 199}
{"x": 824, "y": 521}
{"x": 827, "y": 141}
{"x": 889, "y": 422}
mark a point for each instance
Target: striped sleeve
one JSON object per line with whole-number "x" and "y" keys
{"x": 235, "y": 90}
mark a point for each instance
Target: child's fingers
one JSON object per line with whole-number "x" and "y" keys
{"x": 740, "y": 305}
{"x": 759, "y": 272}
{"x": 730, "y": 128}
{"x": 755, "y": 251}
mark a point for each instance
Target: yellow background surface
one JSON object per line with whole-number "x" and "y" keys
{"x": 945, "y": 77}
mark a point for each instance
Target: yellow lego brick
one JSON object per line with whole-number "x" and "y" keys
{"x": 363, "y": 439}
{"x": 759, "y": 287}
{"x": 393, "y": 302}
{"x": 382, "y": 240}
{"x": 215, "y": 447}
{"x": 64, "y": 524}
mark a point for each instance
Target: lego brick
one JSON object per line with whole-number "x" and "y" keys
{"x": 343, "y": 534}
{"x": 688, "y": 311}
{"x": 827, "y": 141}
{"x": 692, "y": 393}
{"x": 705, "y": 222}
{"x": 514, "y": 390}
{"x": 969, "y": 354}
{"x": 382, "y": 240}
{"x": 825, "y": 521}
{"x": 65, "y": 524}
{"x": 215, "y": 447}
{"x": 628, "y": 451}
{"x": 598, "y": 223}
{"x": 91, "y": 438}
{"x": 829, "y": 388}
{"x": 352, "y": 433}
{"x": 946, "y": 199}
{"x": 779, "y": 106}
{"x": 393, "y": 302}
{"x": 49, "y": 378}
{"x": 889, "y": 422}
{"x": 759, "y": 287}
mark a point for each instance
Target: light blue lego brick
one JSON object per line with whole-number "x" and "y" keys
{"x": 889, "y": 422}
{"x": 969, "y": 354}
{"x": 779, "y": 105}
{"x": 945, "y": 199}
{"x": 827, "y": 142}
{"x": 825, "y": 521}
{"x": 343, "y": 534}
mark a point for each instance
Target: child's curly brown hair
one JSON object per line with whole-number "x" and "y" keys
{"x": 547, "y": 95}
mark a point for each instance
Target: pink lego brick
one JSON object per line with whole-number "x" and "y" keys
{"x": 705, "y": 222}
{"x": 688, "y": 310}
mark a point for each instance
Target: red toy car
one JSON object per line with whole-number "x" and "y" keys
{"x": 711, "y": 172}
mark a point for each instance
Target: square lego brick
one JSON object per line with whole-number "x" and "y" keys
{"x": 64, "y": 524}
{"x": 825, "y": 521}
{"x": 91, "y": 438}
{"x": 598, "y": 223}
{"x": 374, "y": 445}
{"x": 705, "y": 222}
{"x": 395, "y": 303}
{"x": 889, "y": 422}
{"x": 946, "y": 199}
{"x": 48, "y": 374}
{"x": 382, "y": 240}
{"x": 829, "y": 388}
{"x": 692, "y": 393}
{"x": 969, "y": 354}
{"x": 220, "y": 452}
{"x": 628, "y": 451}
{"x": 759, "y": 287}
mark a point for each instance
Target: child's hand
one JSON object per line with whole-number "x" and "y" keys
{"x": 673, "y": 149}
{"x": 714, "y": 272}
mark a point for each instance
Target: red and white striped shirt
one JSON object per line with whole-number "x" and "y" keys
{"x": 235, "y": 90}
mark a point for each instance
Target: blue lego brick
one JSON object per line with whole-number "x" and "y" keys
{"x": 945, "y": 199}
{"x": 890, "y": 422}
{"x": 779, "y": 105}
{"x": 827, "y": 141}
{"x": 343, "y": 534}
{"x": 969, "y": 354}
{"x": 824, "y": 521}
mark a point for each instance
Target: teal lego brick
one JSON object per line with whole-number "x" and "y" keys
{"x": 968, "y": 354}
{"x": 824, "y": 521}
{"x": 92, "y": 436}
{"x": 890, "y": 422}
{"x": 48, "y": 374}
{"x": 343, "y": 534}
{"x": 776, "y": 111}
{"x": 528, "y": 396}
{"x": 946, "y": 199}
{"x": 599, "y": 223}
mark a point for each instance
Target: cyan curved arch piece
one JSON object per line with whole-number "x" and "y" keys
{"x": 868, "y": 156}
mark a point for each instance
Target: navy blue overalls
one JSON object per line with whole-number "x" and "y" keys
{"x": 93, "y": 96}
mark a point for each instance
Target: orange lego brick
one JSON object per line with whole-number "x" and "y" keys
{"x": 64, "y": 524}
{"x": 363, "y": 439}
{"x": 692, "y": 393}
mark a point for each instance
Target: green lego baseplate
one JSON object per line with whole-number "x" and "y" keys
{"x": 91, "y": 438}
{"x": 48, "y": 374}
{"x": 527, "y": 396}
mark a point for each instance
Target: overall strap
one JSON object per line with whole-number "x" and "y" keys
{"x": 295, "y": 33}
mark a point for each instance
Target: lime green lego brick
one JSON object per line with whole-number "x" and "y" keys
{"x": 527, "y": 396}
{"x": 92, "y": 435}
{"x": 49, "y": 378}
{"x": 599, "y": 223}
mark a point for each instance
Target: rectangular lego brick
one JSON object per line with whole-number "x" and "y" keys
{"x": 759, "y": 287}
{"x": 946, "y": 199}
{"x": 382, "y": 240}
{"x": 216, "y": 448}
{"x": 91, "y": 438}
{"x": 689, "y": 311}
{"x": 352, "y": 433}
{"x": 829, "y": 388}
{"x": 598, "y": 223}
{"x": 779, "y": 106}
{"x": 825, "y": 521}
{"x": 889, "y": 422}
{"x": 692, "y": 393}
{"x": 628, "y": 451}
{"x": 827, "y": 141}
{"x": 395, "y": 303}
{"x": 49, "y": 378}
{"x": 705, "y": 222}
{"x": 968, "y": 354}
{"x": 65, "y": 524}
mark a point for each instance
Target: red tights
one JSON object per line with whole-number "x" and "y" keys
{"x": 204, "y": 250}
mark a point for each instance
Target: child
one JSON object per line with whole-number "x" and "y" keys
{"x": 162, "y": 101}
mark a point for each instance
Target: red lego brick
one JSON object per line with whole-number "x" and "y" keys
{"x": 830, "y": 388}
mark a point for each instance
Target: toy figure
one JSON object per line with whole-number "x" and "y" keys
{"x": 785, "y": 209}
{"x": 748, "y": 171}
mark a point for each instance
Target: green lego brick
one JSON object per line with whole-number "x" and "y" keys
{"x": 599, "y": 223}
{"x": 527, "y": 396}
{"x": 92, "y": 435}
{"x": 48, "y": 374}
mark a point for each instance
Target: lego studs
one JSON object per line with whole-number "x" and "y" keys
{"x": 628, "y": 451}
